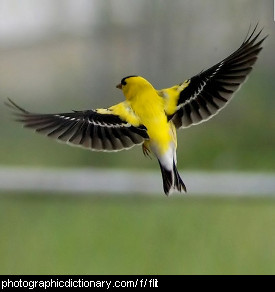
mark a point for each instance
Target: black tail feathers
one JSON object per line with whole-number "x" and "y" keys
{"x": 171, "y": 179}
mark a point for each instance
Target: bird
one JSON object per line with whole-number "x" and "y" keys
{"x": 151, "y": 117}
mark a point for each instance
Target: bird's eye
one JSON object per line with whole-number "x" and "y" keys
{"x": 123, "y": 82}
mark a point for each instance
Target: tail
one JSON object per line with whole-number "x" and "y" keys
{"x": 171, "y": 179}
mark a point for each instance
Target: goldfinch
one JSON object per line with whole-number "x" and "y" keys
{"x": 151, "y": 117}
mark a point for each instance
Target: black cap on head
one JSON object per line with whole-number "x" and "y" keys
{"x": 123, "y": 82}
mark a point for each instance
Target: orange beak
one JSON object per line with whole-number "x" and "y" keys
{"x": 119, "y": 86}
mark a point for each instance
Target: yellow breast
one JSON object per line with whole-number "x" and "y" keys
{"x": 149, "y": 107}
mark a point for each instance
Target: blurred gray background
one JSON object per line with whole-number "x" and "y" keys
{"x": 61, "y": 55}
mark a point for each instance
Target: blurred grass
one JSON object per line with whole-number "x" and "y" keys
{"x": 138, "y": 235}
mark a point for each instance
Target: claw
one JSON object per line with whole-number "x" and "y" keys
{"x": 146, "y": 151}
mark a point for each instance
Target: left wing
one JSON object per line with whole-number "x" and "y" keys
{"x": 101, "y": 129}
{"x": 204, "y": 95}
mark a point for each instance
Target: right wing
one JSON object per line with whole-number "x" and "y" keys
{"x": 201, "y": 97}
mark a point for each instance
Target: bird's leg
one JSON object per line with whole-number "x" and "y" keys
{"x": 146, "y": 151}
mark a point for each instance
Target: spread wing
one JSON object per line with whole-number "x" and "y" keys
{"x": 99, "y": 130}
{"x": 201, "y": 97}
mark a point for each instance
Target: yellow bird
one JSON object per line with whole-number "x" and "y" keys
{"x": 151, "y": 117}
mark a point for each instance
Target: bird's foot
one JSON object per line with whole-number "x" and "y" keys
{"x": 146, "y": 151}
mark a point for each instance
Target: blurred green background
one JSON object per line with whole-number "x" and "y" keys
{"x": 57, "y": 56}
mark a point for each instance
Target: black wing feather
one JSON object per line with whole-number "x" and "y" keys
{"x": 210, "y": 90}
{"x": 89, "y": 129}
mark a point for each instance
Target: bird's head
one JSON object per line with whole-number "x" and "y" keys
{"x": 133, "y": 85}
